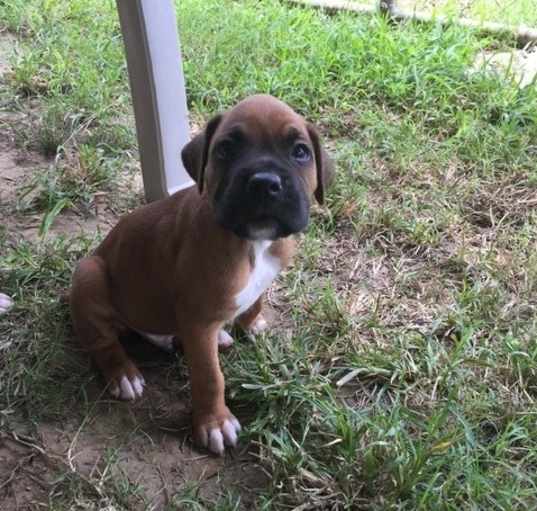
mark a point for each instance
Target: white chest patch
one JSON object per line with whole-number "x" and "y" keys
{"x": 265, "y": 269}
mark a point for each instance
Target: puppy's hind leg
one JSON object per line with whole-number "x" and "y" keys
{"x": 97, "y": 325}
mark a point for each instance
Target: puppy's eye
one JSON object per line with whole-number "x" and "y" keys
{"x": 301, "y": 153}
{"x": 223, "y": 149}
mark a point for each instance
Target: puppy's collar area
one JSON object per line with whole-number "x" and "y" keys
{"x": 260, "y": 246}
{"x": 264, "y": 268}
{"x": 262, "y": 234}
{"x": 257, "y": 249}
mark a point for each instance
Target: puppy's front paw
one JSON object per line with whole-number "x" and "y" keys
{"x": 5, "y": 303}
{"x": 127, "y": 385}
{"x": 215, "y": 431}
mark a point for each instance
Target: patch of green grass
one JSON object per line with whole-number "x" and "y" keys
{"x": 402, "y": 375}
{"x": 68, "y": 182}
{"x": 189, "y": 499}
{"x": 69, "y": 70}
{"x": 41, "y": 370}
{"x": 520, "y": 12}
{"x": 511, "y": 12}
{"x": 351, "y": 72}
{"x": 419, "y": 425}
{"x": 48, "y": 64}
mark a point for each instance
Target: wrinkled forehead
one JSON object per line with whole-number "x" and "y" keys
{"x": 259, "y": 122}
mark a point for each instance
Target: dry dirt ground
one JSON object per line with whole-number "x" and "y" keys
{"x": 141, "y": 449}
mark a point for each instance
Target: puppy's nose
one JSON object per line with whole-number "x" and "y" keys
{"x": 265, "y": 184}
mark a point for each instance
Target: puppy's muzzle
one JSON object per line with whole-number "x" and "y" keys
{"x": 262, "y": 201}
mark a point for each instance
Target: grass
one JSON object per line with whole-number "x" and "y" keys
{"x": 404, "y": 375}
{"x": 520, "y": 12}
{"x": 511, "y": 12}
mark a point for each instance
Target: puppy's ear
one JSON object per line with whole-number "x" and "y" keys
{"x": 323, "y": 164}
{"x": 196, "y": 153}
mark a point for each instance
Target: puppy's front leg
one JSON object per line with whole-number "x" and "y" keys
{"x": 213, "y": 424}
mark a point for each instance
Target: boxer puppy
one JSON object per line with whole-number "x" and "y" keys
{"x": 192, "y": 263}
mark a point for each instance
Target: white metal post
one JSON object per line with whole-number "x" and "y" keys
{"x": 149, "y": 30}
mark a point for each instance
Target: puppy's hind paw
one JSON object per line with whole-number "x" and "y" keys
{"x": 6, "y": 303}
{"x": 259, "y": 325}
{"x": 164, "y": 342}
{"x": 224, "y": 340}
